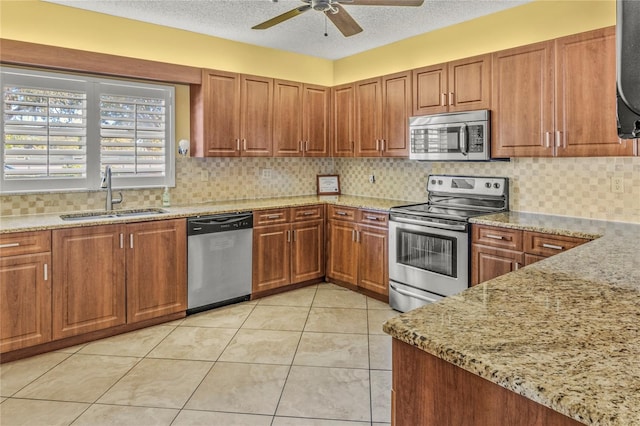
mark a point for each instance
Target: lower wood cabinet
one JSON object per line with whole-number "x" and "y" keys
{"x": 496, "y": 251}
{"x": 25, "y": 290}
{"x": 288, "y": 247}
{"x": 358, "y": 249}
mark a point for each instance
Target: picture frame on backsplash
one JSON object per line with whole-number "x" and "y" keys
{"x": 328, "y": 185}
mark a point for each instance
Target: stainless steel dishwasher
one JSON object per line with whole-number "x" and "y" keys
{"x": 220, "y": 255}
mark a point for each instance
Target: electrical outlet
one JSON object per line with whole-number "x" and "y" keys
{"x": 204, "y": 176}
{"x": 372, "y": 179}
{"x": 617, "y": 184}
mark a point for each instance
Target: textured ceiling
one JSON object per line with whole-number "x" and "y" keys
{"x": 233, "y": 19}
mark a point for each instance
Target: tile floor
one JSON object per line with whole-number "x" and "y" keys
{"x": 313, "y": 356}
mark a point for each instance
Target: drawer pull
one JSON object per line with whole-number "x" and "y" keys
{"x": 494, "y": 237}
{"x": 308, "y": 213}
{"x": 552, "y": 246}
{"x": 7, "y": 245}
{"x": 341, "y": 213}
{"x": 274, "y": 216}
{"x": 372, "y": 218}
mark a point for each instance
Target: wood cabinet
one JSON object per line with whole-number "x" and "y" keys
{"x": 460, "y": 85}
{"x": 430, "y": 391}
{"x": 343, "y": 109}
{"x": 288, "y": 247}
{"x": 557, "y": 98}
{"x": 382, "y": 110}
{"x": 496, "y": 251}
{"x": 110, "y": 275}
{"x": 25, "y": 289}
{"x": 301, "y": 120}
{"x": 231, "y": 115}
{"x": 357, "y": 245}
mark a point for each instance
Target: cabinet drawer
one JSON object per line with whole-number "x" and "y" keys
{"x": 270, "y": 217}
{"x": 548, "y": 244}
{"x": 342, "y": 213}
{"x": 373, "y": 218}
{"x": 25, "y": 243}
{"x": 299, "y": 214}
{"x": 492, "y": 236}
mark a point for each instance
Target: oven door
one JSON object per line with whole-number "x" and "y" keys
{"x": 429, "y": 258}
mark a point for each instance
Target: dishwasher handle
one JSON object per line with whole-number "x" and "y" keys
{"x": 219, "y": 223}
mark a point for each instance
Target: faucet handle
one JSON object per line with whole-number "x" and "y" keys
{"x": 117, "y": 200}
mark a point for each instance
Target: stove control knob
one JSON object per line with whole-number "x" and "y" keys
{"x": 440, "y": 182}
{"x": 488, "y": 184}
{"x": 496, "y": 185}
{"x": 433, "y": 181}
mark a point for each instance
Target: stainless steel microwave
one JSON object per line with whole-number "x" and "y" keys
{"x": 458, "y": 136}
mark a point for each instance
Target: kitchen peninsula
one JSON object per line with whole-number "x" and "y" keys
{"x": 563, "y": 333}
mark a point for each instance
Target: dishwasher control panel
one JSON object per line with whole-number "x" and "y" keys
{"x": 219, "y": 223}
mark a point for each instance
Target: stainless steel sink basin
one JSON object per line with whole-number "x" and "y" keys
{"x": 111, "y": 214}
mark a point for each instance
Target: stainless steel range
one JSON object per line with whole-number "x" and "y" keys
{"x": 429, "y": 243}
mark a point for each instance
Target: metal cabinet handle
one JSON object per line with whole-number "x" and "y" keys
{"x": 237, "y": 144}
{"x": 451, "y": 99}
{"x": 559, "y": 141}
{"x": 294, "y": 236}
{"x": 382, "y": 145}
{"x": 377, "y": 144}
{"x": 339, "y": 213}
{"x": 411, "y": 294}
{"x": 372, "y": 218}
{"x": 357, "y": 236}
{"x": 517, "y": 266}
{"x": 547, "y": 137}
{"x": 288, "y": 236}
{"x": 308, "y": 213}
{"x": 244, "y": 144}
{"x": 274, "y": 216}
{"x": 46, "y": 272}
{"x": 495, "y": 237}
{"x": 443, "y": 100}
{"x": 121, "y": 240}
{"x": 131, "y": 240}
{"x": 7, "y": 245}
{"x": 353, "y": 235}
{"x": 552, "y": 246}
{"x": 306, "y": 146}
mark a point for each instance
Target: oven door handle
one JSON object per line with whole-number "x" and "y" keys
{"x": 462, "y": 227}
{"x": 410, "y": 294}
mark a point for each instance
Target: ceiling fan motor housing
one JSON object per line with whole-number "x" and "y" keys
{"x": 323, "y": 6}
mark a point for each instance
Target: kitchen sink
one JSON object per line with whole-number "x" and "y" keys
{"x": 111, "y": 214}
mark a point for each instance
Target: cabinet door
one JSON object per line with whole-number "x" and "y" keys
{"x": 522, "y": 100}
{"x": 586, "y": 96}
{"x": 287, "y": 118}
{"x": 488, "y": 263}
{"x": 271, "y": 257}
{"x": 373, "y": 259}
{"x": 342, "y": 260}
{"x": 156, "y": 269}
{"x": 368, "y": 133}
{"x": 256, "y": 118}
{"x": 315, "y": 121}
{"x": 215, "y": 115}
{"x": 430, "y": 90}
{"x": 307, "y": 252}
{"x": 396, "y": 95}
{"x": 343, "y": 120}
{"x": 89, "y": 279}
{"x": 25, "y": 301}
{"x": 470, "y": 84}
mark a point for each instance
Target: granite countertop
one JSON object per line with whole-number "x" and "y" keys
{"x": 564, "y": 332}
{"x": 52, "y": 221}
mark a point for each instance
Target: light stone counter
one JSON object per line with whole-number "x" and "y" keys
{"x": 564, "y": 332}
{"x": 53, "y": 221}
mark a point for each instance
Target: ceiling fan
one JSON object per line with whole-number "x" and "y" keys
{"x": 335, "y": 12}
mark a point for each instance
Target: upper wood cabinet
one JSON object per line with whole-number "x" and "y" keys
{"x": 460, "y": 85}
{"x": 382, "y": 110}
{"x": 557, "y": 98}
{"x": 343, "y": 109}
{"x": 231, "y": 115}
{"x": 301, "y": 120}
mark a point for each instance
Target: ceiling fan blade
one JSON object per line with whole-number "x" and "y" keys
{"x": 382, "y": 2}
{"x": 345, "y": 23}
{"x": 281, "y": 18}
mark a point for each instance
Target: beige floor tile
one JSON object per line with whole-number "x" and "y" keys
{"x": 326, "y": 393}
{"x": 380, "y": 351}
{"x": 300, "y": 297}
{"x": 158, "y": 383}
{"x": 226, "y": 317}
{"x": 333, "y": 350}
{"x": 333, "y": 298}
{"x": 196, "y": 343}
{"x": 337, "y": 320}
{"x": 30, "y": 412}
{"x": 114, "y": 415}
{"x": 377, "y": 317}
{"x": 299, "y": 421}
{"x": 17, "y": 374}
{"x": 71, "y": 349}
{"x": 262, "y": 346}
{"x": 331, "y": 286}
{"x": 287, "y": 318}
{"x": 376, "y": 304}
{"x": 212, "y": 418}
{"x": 136, "y": 343}
{"x": 79, "y": 378}
{"x": 381, "y": 396}
{"x": 240, "y": 388}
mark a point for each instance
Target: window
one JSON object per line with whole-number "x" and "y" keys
{"x": 60, "y": 131}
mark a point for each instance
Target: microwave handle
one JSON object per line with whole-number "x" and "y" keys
{"x": 464, "y": 148}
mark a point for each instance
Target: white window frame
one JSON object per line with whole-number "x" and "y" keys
{"x": 94, "y": 86}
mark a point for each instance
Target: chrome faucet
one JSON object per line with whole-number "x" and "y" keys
{"x": 106, "y": 183}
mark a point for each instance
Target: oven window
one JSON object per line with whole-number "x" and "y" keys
{"x": 430, "y": 252}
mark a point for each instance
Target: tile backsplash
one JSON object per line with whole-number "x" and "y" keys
{"x": 563, "y": 186}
